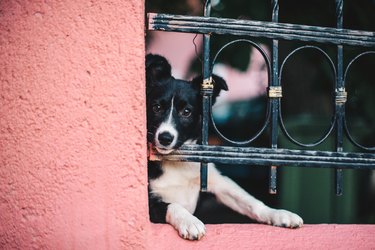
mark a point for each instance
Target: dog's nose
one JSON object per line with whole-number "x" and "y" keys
{"x": 165, "y": 138}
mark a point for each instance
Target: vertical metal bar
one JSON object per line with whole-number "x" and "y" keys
{"x": 274, "y": 101}
{"x": 206, "y": 96}
{"x": 340, "y": 110}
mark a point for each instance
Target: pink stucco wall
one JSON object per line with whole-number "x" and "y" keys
{"x": 72, "y": 138}
{"x": 72, "y": 125}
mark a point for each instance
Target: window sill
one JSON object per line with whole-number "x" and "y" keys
{"x": 243, "y": 236}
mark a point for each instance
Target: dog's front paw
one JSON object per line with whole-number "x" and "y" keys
{"x": 284, "y": 218}
{"x": 191, "y": 228}
{"x": 188, "y": 226}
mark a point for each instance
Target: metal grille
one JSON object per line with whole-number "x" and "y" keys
{"x": 239, "y": 152}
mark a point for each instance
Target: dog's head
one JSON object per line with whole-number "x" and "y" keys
{"x": 174, "y": 106}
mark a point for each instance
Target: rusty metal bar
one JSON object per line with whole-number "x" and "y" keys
{"x": 275, "y": 101}
{"x": 340, "y": 108}
{"x": 285, "y": 31}
{"x": 269, "y": 156}
{"x": 206, "y": 97}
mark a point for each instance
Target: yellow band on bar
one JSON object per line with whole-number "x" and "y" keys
{"x": 275, "y": 92}
{"x": 208, "y": 83}
{"x": 341, "y": 96}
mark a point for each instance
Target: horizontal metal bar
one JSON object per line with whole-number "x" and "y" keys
{"x": 268, "y": 156}
{"x": 285, "y": 31}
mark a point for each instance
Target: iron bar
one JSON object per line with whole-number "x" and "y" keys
{"x": 285, "y": 31}
{"x": 268, "y": 113}
{"x": 348, "y": 134}
{"x": 333, "y": 120}
{"x": 340, "y": 108}
{"x": 275, "y": 101}
{"x": 206, "y": 97}
{"x": 269, "y": 156}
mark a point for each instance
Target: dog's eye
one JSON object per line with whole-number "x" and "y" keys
{"x": 186, "y": 112}
{"x": 156, "y": 108}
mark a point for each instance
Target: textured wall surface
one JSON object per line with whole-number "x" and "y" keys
{"x": 72, "y": 125}
{"x": 238, "y": 237}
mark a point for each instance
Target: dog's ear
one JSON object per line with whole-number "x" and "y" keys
{"x": 219, "y": 84}
{"x": 157, "y": 69}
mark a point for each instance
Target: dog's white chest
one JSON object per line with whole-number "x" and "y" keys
{"x": 179, "y": 183}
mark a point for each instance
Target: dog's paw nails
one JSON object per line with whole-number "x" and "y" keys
{"x": 188, "y": 226}
{"x": 191, "y": 228}
{"x": 283, "y": 218}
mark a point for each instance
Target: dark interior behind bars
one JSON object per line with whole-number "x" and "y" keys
{"x": 317, "y": 110}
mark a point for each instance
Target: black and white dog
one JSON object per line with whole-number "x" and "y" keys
{"x": 174, "y": 119}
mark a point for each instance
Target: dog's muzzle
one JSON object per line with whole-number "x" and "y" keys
{"x": 165, "y": 139}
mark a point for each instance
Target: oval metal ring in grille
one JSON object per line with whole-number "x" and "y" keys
{"x": 267, "y": 61}
{"x": 351, "y": 138}
{"x": 333, "y": 120}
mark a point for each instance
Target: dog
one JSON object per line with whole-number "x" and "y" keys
{"x": 174, "y": 114}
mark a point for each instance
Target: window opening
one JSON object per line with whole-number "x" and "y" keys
{"x": 312, "y": 38}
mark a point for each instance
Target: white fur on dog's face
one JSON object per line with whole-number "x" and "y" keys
{"x": 167, "y": 126}
{"x": 173, "y": 114}
{"x": 174, "y": 106}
